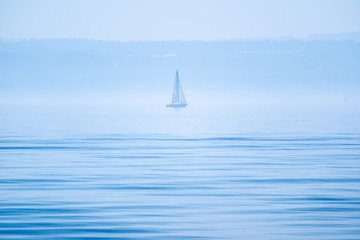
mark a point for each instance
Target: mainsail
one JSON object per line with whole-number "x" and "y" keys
{"x": 178, "y": 98}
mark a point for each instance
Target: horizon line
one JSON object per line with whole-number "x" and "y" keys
{"x": 279, "y": 38}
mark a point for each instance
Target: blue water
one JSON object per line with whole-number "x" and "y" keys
{"x": 111, "y": 172}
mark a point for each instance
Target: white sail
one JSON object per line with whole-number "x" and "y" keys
{"x": 182, "y": 97}
{"x": 178, "y": 98}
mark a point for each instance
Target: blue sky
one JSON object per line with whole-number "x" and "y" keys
{"x": 137, "y": 20}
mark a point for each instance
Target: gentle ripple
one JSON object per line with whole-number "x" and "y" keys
{"x": 171, "y": 186}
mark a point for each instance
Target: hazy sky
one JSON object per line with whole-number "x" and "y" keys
{"x": 175, "y": 20}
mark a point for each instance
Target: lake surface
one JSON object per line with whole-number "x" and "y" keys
{"x": 194, "y": 173}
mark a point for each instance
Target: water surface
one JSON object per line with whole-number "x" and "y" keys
{"x": 196, "y": 173}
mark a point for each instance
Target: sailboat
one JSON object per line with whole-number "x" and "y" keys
{"x": 178, "y": 98}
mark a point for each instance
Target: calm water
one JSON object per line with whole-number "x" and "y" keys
{"x": 157, "y": 173}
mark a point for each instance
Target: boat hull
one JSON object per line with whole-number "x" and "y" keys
{"x": 176, "y": 105}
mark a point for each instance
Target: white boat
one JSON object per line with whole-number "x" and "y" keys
{"x": 178, "y": 98}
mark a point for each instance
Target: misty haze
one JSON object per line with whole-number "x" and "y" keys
{"x": 176, "y": 119}
{"x": 231, "y": 72}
